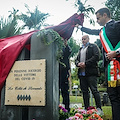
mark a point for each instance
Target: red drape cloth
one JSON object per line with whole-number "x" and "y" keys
{"x": 65, "y": 29}
{"x": 9, "y": 51}
{"x": 11, "y": 47}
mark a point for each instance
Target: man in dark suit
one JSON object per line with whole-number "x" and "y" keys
{"x": 87, "y": 63}
{"x": 64, "y": 73}
{"x": 110, "y": 39}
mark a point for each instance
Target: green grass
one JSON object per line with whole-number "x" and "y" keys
{"x": 76, "y": 99}
{"x": 102, "y": 89}
{"x": 106, "y": 109}
{"x": 107, "y": 113}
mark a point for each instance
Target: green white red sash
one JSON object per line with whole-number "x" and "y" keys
{"x": 114, "y": 65}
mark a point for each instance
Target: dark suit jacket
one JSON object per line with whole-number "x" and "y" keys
{"x": 63, "y": 70}
{"x": 112, "y": 30}
{"x": 91, "y": 62}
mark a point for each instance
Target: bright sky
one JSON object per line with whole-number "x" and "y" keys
{"x": 59, "y": 10}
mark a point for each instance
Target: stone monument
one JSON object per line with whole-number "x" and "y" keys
{"x": 31, "y": 90}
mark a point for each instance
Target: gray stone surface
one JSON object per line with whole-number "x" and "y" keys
{"x": 12, "y": 112}
{"x": 50, "y": 111}
{"x": 41, "y": 51}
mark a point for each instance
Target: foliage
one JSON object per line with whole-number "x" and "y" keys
{"x": 114, "y": 6}
{"x": 9, "y": 26}
{"x": 106, "y": 109}
{"x": 33, "y": 19}
{"x": 99, "y": 44}
{"x": 63, "y": 113}
{"x": 101, "y": 78}
{"x": 79, "y": 114}
{"x": 100, "y": 47}
{"x": 76, "y": 82}
{"x": 13, "y": 14}
{"x": 75, "y": 48}
{"x": 107, "y": 112}
{"x": 44, "y": 36}
{"x": 85, "y": 9}
{"x": 74, "y": 76}
{"x": 72, "y": 43}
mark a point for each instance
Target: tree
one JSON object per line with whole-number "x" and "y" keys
{"x": 101, "y": 78}
{"x": 114, "y": 6}
{"x": 72, "y": 43}
{"x": 9, "y": 26}
{"x": 33, "y": 19}
{"x": 98, "y": 42}
{"x": 85, "y": 9}
{"x": 73, "y": 79}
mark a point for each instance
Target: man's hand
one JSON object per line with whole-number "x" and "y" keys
{"x": 78, "y": 26}
{"x": 111, "y": 54}
{"x": 81, "y": 65}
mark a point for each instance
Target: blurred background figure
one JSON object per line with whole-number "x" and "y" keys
{"x": 64, "y": 73}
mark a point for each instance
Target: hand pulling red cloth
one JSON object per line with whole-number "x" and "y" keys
{"x": 11, "y": 47}
{"x": 65, "y": 29}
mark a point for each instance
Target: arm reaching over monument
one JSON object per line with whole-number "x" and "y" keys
{"x": 65, "y": 29}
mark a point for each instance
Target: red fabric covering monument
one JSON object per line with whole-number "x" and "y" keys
{"x": 65, "y": 29}
{"x": 11, "y": 47}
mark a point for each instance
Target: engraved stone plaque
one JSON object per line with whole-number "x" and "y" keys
{"x": 25, "y": 84}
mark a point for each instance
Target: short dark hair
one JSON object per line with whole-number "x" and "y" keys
{"x": 104, "y": 10}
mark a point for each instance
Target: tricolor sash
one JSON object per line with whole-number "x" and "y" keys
{"x": 114, "y": 65}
